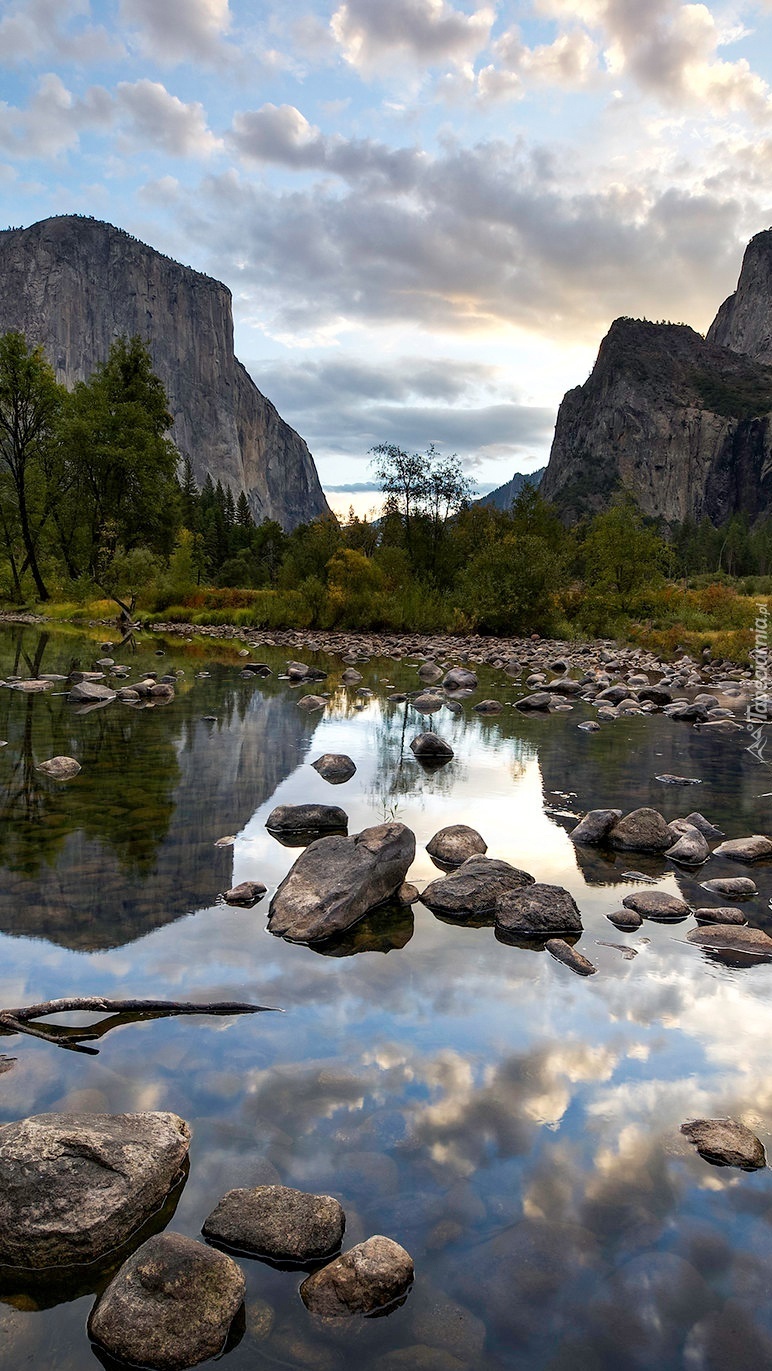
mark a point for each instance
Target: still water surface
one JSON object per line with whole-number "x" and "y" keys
{"x": 514, "y": 1127}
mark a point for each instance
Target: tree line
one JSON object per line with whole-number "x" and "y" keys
{"x": 93, "y": 496}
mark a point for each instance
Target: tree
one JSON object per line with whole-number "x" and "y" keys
{"x": 508, "y": 587}
{"x": 125, "y": 465}
{"x": 620, "y": 552}
{"x": 422, "y": 486}
{"x": 403, "y": 476}
{"x": 30, "y": 408}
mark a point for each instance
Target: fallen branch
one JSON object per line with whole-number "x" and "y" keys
{"x": 121, "y": 1012}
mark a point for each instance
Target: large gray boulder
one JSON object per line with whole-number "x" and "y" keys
{"x": 368, "y": 1277}
{"x": 278, "y": 1222}
{"x": 170, "y": 1306}
{"x": 459, "y": 678}
{"x": 643, "y": 830}
{"x": 725, "y": 1142}
{"x": 453, "y": 845}
{"x": 337, "y": 880}
{"x": 310, "y": 818}
{"x": 75, "y": 1186}
{"x": 474, "y": 888}
{"x": 538, "y": 909}
{"x": 335, "y": 767}
{"x": 594, "y": 828}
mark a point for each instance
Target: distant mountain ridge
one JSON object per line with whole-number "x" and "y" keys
{"x": 504, "y": 496}
{"x": 74, "y": 284}
{"x": 682, "y": 422}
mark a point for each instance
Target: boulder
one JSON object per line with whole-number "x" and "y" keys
{"x": 706, "y": 828}
{"x": 473, "y": 888}
{"x": 732, "y": 938}
{"x": 458, "y": 678}
{"x": 351, "y": 677}
{"x": 334, "y": 767}
{"x": 745, "y": 849}
{"x": 690, "y": 847}
{"x": 721, "y": 914}
{"x": 337, "y": 880}
{"x": 312, "y": 702}
{"x": 363, "y": 1280}
{"x": 538, "y": 702}
{"x": 644, "y": 830}
{"x": 75, "y": 1186}
{"x": 308, "y": 818}
{"x": 246, "y": 893}
{"x": 568, "y": 955}
{"x": 538, "y": 909}
{"x": 170, "y": 1306}
{"x": 733, "y": 887}
{"x": 454, "y": 844}
{"x": 430, "y": 673}
{"x": 625, "y": 919}
{"x": 594, "y": 828}
{"x": 60, "y": 768}
{"x": 488, "y": 707}
{"x": 725, "y": 1142}
{"x": 91, "y": 692}
{"x": 656, "y": 904}
{"x": 277, "y": 1222}
{"x": 429, "y": 747}
{"x": 428, "y": 702}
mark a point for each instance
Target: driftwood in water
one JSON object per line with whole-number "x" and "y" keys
{"x": 120, "y": 1012}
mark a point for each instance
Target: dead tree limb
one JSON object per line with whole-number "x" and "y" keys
{"x": 120, "y": 1012}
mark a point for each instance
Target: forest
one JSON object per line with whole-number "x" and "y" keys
{"x": 95, "y": 505}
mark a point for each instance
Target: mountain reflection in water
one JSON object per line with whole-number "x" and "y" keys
{"x": 515, "y": 1127}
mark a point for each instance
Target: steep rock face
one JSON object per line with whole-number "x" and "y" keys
{"x": 744, "y": 321}
{"x": 74, "y": 285}
{"x": 680, "y": 422}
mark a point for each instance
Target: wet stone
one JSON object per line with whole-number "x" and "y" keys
{"x": 334, "y": 767}
{"x": 733, "y": 887}
{"x": 643, "y": 830}
{"x": 474, "y": 888}
{"x": 367, "y": 1278}
{"x": 722, "y": 914}
{"x": 170, "y": 1306}
{"x": 568, "y": 955}
{"x": 278, "y": 1222}
{"x": 538, "y": 909}
{"x": 430, "y": 747}
{"x": 732, "y": 938}
{"x": 246, "y": 893}
{"x": 594, "y": 828}
{"x": 656, "y": 904}
{"x": 725, "y": 1142}
{"x": 453, "y": 845}
{"x": 60, "y": 768}
{"x": 750, "y": 849}
{"x": 309, "y": 818}
{"x": 625, "y": 919}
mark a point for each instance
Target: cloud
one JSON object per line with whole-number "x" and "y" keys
{"x": 347, "y": 406}
{"x": 180, "y": 30}
{"x": 52, "y": 122}
{"x": 32, "y": 28}
{"x": 155, "y": 118}
{"x": 571, "y": 62}
{"x": 669, "y": 50}
{"x": 425, "y": 33}
{"x": 283, "y": 136}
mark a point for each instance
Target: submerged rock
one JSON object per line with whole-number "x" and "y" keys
{"x": 733, "y": 887}
{"x": 60, "y": 768}
{"x": 474, "y": 888}
{"x": 312, "y": 702}
{"x": 722, "y": 914}
{"x": 732, "y": 938}
{"x": 310, "y": 818}
{"x": 725, "y": 1142}
{"x": 246, "y": 893}
{"x": 459, "y": 678}
{"x": 656, "y": 904}
{"x": 625, "y": 919}
{"x": 594, "y": 828}
{"x": 363, "y": 1280}
{"x": 334, "y": 767}
{"x": 337, "y": 880}
{"x": 538, "y": 703}
{"x": 745, "y": 849}
{"x": 278, "y": 1222}
{"x": 568, "y": 955}
{"x": 91, "y": 692}
{"x": 170, "y": 1306}
{"x": 453, "y": 845}
{"x": 538, "y": 909}
{"x": 643, "y": 830}
{"x": 75, "y": 1186}
{"x": 430, "y": 747}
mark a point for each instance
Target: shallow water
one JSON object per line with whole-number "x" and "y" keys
{"x": 515, "y": 1127}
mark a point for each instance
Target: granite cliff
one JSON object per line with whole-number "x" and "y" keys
{"x": 74, "y": 284}
{"x": 682, "y": 422}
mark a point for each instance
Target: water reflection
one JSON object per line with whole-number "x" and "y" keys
{"x": 515, "y": 1127}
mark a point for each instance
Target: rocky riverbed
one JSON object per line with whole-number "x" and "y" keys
{"x": 517, "y": 1100}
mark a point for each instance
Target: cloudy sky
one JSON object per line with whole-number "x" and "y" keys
{"x": 428, "y": 211}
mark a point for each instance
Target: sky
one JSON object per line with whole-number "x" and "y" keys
{"x": 428, "y": 211}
